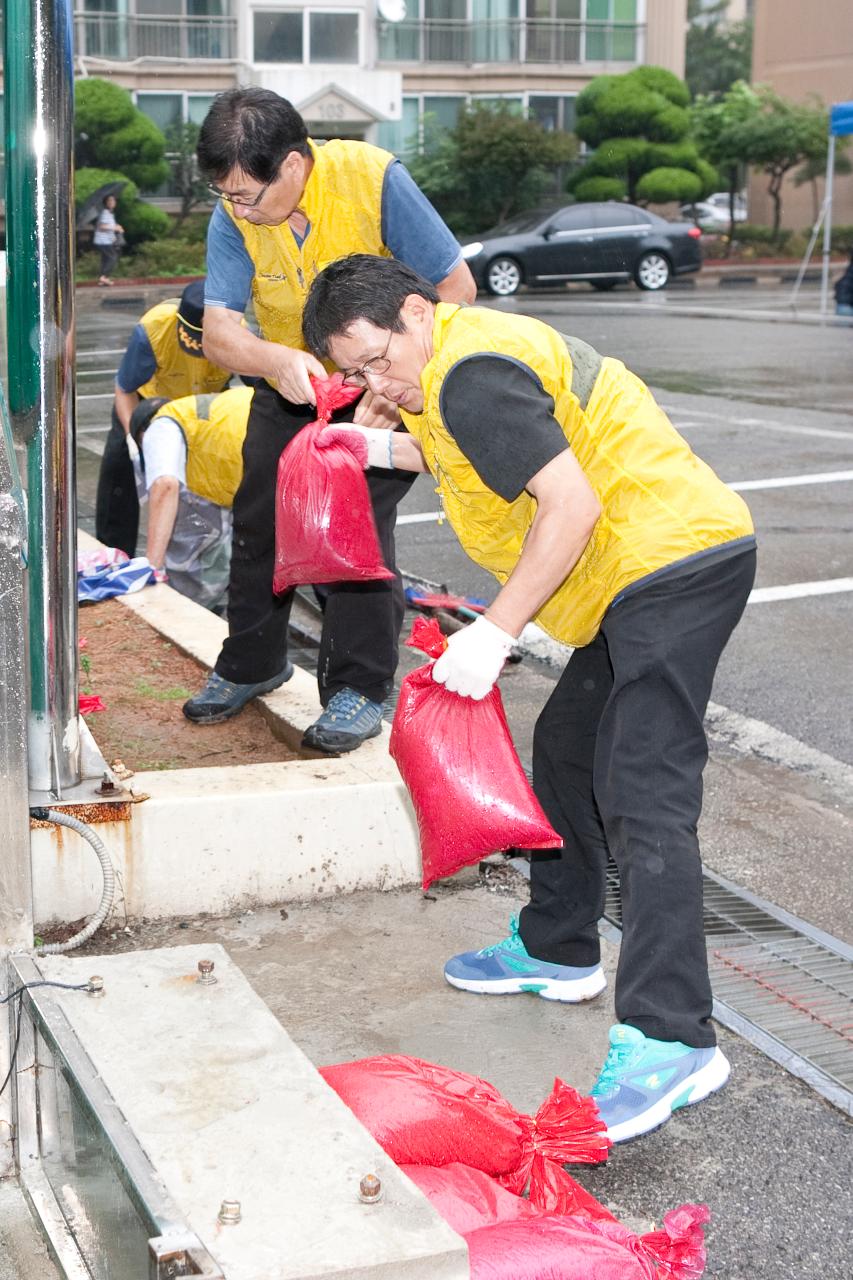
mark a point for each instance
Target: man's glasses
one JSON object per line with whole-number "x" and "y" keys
{"x": 375, "y": 368}
{"x": 232, "y": 199}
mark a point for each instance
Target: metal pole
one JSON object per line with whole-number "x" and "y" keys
{"x": 16, "y": 904}
{"x": 827, "y": 225}
{"x": 40, "y": 245}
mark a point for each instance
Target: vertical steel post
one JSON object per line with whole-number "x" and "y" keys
{"x": 40, "y": 246}
{"x": 16, "y": 909}
{"x": 827, "y": 226}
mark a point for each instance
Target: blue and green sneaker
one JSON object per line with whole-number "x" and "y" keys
{"x": 643, "y": 1081}
{"x": 506, "y": 969}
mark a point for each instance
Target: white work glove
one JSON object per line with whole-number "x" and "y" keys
{"x": 370, "y": 447}
{"x": 473, "y": 659}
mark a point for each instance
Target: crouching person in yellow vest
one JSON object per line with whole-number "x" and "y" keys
{"x": 164, "y": 357}
{"x": 190, "y": 451}
{"x": 562, "y": 476}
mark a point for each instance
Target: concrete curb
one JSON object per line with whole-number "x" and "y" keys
{"x": 232, "y": 838}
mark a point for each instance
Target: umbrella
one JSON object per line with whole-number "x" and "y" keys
{"x": 91, "y": 207}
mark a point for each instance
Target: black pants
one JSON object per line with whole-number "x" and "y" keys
{"x": 361, "y": 620}
{"x": 109, "y": 257}
{"x": 618, "y": 755}
{"x": 117, "y": 504}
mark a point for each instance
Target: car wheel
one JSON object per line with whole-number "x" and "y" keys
{"x": 652, "y": 271}
{"x": 602, "y": 286}
{"x": 503, "y": 277}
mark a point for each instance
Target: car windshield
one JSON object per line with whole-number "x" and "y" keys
{"x": 521, "y": 222}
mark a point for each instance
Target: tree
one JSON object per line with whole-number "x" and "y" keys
{"x": 723, "y": 130}
{"x": 492, "y": 164}
{"x": 111, "y": 133}
{"x": 718, "y": 53}
{"x": 181, "y": 140}
{"x": 783, "y": 136}
{"x": 638, "y": 124}
{"x": 815, "y": 168}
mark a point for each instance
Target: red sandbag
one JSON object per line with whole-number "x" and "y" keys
{"x": 466, "y": 1198}
{"x": 559, "y": 1248}
{"x": 324, "y": 526}
{"x": 457, "y": 759}
{"x": 423, "y": 1114}
{"x": 553, "y": 1248}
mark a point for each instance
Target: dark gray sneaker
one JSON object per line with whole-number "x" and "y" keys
{"x": 221, "y": 699}
{"x": 348, "y": 721}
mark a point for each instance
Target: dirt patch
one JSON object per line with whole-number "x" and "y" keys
{"x": 142, "y": 680}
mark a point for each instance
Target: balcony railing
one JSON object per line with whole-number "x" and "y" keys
{"x": 125, "y": 36}
{"x": 509, "y": 40}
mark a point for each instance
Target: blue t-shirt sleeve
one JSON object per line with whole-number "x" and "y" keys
{"x": 230, "y": 270}
{"x": 412, "y": 229}
{"x": 137, "y": 363}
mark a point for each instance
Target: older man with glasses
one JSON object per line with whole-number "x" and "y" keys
{"x": 287, "y": 207}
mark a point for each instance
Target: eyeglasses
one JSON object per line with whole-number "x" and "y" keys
{"x": 244, "y": 204}
{"x": 371, "y": 368}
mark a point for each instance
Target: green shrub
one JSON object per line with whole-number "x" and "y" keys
{"x": 141, "y": 221}
{"x": 599, "y": 188}
{"x": 661, "y": 186}
{"x": 842, "y": 239}
{"x": 145, "y": 222}
{"x": 165, "y": 258}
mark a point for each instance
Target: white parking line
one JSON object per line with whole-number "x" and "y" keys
{"x": 795, "y": 590}
{"x": 720, "y": 420}
{"x": 97, "y": 395}
{"x": 786, "y": 482}
{"x": 421, "y": 517}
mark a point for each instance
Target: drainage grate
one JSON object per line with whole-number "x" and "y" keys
{"x": 778, "y": 982}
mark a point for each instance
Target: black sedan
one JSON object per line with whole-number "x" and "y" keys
{"x": 601, "y": 243}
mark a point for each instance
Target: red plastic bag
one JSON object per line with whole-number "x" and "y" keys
{"x": 423, "y": 1114}
{"x": 458, "y": 761}
{"x": 466, "y": 1198}
{"x": 570, "y": 1248}
{"x": 324, "y": 527}
{"x": 553, "y": 1248}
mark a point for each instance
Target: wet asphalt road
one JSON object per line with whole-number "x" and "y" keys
{"x": 759, "y": 399}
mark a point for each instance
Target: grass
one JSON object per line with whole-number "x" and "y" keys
{"x": 174, "y": 694}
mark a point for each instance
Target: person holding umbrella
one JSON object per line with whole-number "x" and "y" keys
{"x": 106, "y": 239}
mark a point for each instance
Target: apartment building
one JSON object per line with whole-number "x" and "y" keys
{"x": 803, "y": 50}
{"x": 372, "y": 68}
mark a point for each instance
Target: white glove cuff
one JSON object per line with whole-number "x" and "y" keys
{"x": 499, "y": 636}
{"x": 380, "y": 447}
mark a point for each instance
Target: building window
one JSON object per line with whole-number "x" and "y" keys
{"x": 278, "y": 36}
{"x": 334, "y": 37}
{"x": 402, "y": 137}
{"x": 553, "y": 111}
{"x": 616, "y": 39}
{"x": 306, "y": 36}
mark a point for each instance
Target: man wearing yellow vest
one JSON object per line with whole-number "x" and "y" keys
{"x": 190, "y": 453}
{"x": 287, "y": 208}
{"x": 163, "y": 358}
{"x": 561, "y": 475}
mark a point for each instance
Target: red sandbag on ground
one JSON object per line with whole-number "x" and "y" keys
{"x": 554, "y": 1248}
{"x": 423, "y": 1114}
{"x": 560, "y": 1248}
{"x": 324, "y": 526}
{"x": 458, "y": 761}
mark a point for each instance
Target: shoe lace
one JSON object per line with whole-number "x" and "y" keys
{"x": 511, "y": 943}
{"x": 346, "y": 702}
{"x": 608, "y": 1080}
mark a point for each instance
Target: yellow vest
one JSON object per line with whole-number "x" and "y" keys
{"x": 342, "y": 201}
{"x": 660, "y": 503}
{"x": 214, "y": 429}
{"x": 178, "y": 373}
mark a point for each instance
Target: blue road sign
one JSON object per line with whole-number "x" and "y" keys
{"x": 841, "y": 119}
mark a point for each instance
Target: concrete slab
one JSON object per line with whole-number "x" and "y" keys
{"x": 227, "y": 1107}
{"x": 23, "y": 1253}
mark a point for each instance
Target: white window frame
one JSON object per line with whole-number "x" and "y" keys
{"x": 307, "y": 11}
